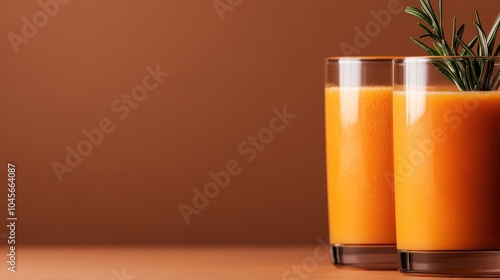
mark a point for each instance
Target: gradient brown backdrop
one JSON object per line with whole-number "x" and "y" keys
{"x": 225, "y": 79}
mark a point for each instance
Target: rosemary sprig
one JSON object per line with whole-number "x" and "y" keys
{"x": 469, "y": 73}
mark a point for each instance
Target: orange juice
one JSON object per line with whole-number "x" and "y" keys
{"x": 359, "y": 160}
{"x": 447, "y": 170}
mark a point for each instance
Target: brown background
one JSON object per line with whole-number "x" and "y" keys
{"x": 226, "y": 77}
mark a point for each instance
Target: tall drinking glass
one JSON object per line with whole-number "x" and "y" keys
{"x": 447, "y": 165}
{"x": 358, "y": 116}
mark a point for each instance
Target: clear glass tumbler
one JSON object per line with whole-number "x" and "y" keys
{"x": 447, "y": 165}
{"x": 358, "y": 116}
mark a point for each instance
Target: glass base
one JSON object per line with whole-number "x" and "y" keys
{"x": 450, "y": 263}
{"x": 373, "y": 257}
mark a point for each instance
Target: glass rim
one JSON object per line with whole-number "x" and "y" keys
{"x": 333, "y": 59}
{"x": 424, "y": 59}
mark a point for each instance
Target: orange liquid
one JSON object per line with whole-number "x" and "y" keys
{"x": 359, "y": 159}
{"x": 447, "y": 167}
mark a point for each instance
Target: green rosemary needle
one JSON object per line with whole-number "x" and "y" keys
{"x": 477, "y": 70}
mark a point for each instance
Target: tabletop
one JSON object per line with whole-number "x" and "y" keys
{"x": 138, "y": 263}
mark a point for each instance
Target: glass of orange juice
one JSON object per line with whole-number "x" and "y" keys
{"x": 358, "y": 116}
{"x": 447, "y": 165}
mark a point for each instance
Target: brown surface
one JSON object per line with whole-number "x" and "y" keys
{"x": 226, "y": 77}
{"x": 218, "y": 263}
